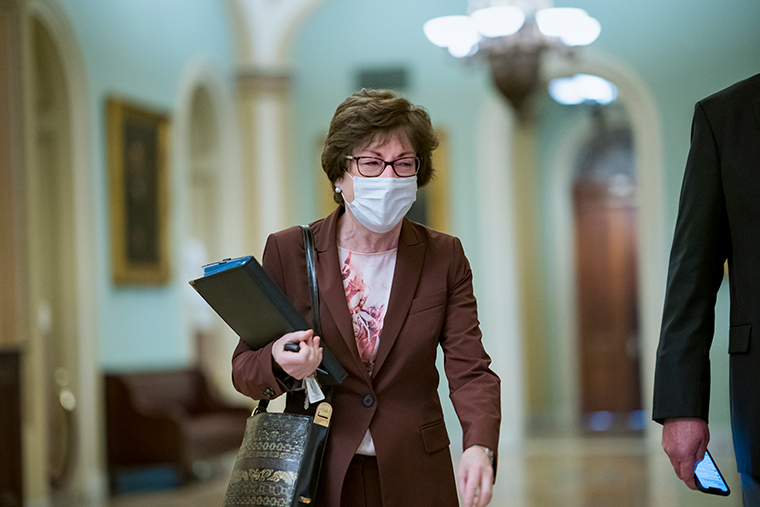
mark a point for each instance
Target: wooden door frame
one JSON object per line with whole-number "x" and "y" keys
{"x": 88, "y": 477}
{"x": 12, "y": 279}
{"x": 204, "y": 74}
{"x": 12, "y": 184}
{"x": 608, "y": 268}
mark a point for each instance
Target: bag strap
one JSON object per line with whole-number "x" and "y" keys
{"x": 311, "y": 275}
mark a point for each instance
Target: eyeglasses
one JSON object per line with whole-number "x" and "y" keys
{"x": 371, "y": 167}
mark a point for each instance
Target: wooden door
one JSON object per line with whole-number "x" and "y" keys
{"x": 606, "y": 266}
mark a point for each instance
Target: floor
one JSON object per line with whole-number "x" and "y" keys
{"x": 544, "y": 472}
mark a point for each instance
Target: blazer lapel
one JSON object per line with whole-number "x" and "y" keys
{"x": 756, "y": 104}
{"x": 409, "y": 260}
{"x": 331, "y": 292}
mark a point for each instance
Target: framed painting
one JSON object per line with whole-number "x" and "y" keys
{"x": 137, "y": 164}
{"x": 433, "y": 200}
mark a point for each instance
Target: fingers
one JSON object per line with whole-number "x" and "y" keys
{"x": 319, "y": 351}
{"x": 702, "y": 450}
{"x": 486, "y": 488}
{"x": 685, "y": 468}
{"x": 466, "y": 486}
{"x": 299, "y": 336}
{"x": 294, "y": 337}
{"x": 476, "y": 488}
{"x": 475, "y": 478}
{"x": 462, "y": 480}
{"x": 301, "y": 363}
{"x": 685, "y": 471}
{"x": 685, "y": 441}
{"x": 311, "y": 342}
{"x": 310, "y": 355}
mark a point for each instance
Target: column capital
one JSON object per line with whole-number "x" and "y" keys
{"x": 255, "y": 81}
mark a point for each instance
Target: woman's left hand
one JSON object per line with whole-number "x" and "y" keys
{"x": 475, "y": 477}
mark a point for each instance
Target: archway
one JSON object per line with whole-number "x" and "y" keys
{"x": 203, "y": 245}
{"x": 605, "y": 216}
{"x": 51, "y": 257}
{"x": 206, "y": 150}
{"x": 64, "y": 310}
{"x": 644, "y": 122}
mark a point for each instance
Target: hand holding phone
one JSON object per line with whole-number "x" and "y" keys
{"x": 708, "y": 477}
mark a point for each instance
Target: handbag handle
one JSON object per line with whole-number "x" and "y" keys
{"x": 311, "y": 275}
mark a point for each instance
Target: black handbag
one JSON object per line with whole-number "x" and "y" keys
{"x": 280, "y": 459}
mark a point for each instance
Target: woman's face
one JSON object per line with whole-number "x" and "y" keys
{"x": 395, "y": 148}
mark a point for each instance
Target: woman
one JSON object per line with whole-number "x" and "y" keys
{"x": 390, "y": 292}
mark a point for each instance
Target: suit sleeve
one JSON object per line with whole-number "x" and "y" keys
{"x": 701, "y": 244}
{"x": 253, "y": 372}
{"x": 475, "y": 390}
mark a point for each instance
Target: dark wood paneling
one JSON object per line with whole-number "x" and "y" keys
{"x": 10, "y": 430}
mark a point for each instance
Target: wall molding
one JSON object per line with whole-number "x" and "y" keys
{"x": 256, "y": 81}
{"x": 202, "y": 74}
{"x": 89, "y": 478}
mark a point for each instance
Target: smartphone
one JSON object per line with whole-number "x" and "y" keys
{"x": 709, "y": 479}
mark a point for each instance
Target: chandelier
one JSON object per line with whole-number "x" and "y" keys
{"x": 514, "y": 35}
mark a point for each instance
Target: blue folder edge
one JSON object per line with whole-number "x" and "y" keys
{"x": 224, "y": 264}
{"x": 230, "y": 263}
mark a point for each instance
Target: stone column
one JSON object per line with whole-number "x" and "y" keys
{"x": 532, "y": 301}
{"x": 263, "y": 114}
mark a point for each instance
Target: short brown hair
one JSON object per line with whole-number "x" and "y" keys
{"x": 377, "y": 115}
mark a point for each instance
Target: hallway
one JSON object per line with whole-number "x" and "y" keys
{"x": 546, "y": 472}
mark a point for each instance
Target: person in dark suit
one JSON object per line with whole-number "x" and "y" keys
{"x": 391, "y": 292}
{"x": 718, "y": 220}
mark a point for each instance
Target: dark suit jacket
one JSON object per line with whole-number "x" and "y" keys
{"x": 718, "y": 220}
{"x": 431, "y": 304}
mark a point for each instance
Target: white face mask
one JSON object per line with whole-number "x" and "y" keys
{"x": 380, "y": 203}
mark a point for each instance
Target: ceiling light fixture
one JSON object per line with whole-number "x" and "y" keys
{"x": 514, "y": 35}
{"x": 582, "y": 89}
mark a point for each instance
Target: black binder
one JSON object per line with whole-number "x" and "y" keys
{"x": 244, "y": 296}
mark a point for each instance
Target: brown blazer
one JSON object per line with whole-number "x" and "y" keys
{"x": 431, "y": 303}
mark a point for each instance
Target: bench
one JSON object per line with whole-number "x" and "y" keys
{"x": 168, "y": 417}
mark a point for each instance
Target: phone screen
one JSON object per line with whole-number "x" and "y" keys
{"x": 709, "y": 478}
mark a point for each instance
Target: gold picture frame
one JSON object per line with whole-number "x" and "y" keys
{"x": 434, "y": 196}
{"x": 137, "y": 164}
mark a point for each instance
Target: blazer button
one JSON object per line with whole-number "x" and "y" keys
{"x": 368, "y": 400}
{"x": 269, "y": 393}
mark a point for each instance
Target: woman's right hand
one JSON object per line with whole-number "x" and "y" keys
{"x": 302, "y": 363}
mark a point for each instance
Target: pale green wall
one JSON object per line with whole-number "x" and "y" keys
{"x": 138, "y": 50}
{"x": 681, "y": 50}
{"x": 344, "y": 37}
